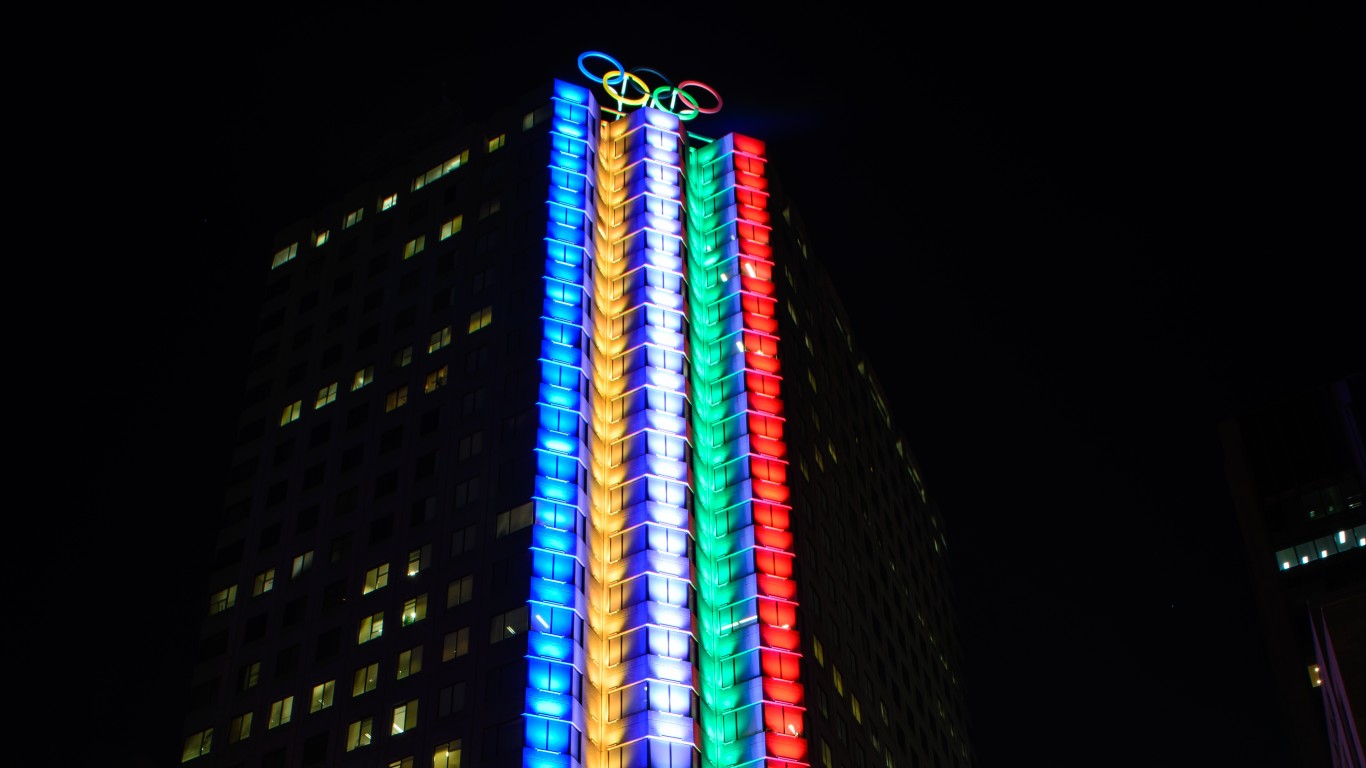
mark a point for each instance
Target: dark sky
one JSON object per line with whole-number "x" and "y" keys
{"x": 1070, "y": 245}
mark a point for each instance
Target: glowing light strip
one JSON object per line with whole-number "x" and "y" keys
{"x": 746, "y": 614}
{"x": 554, "y": 719}
{"x": 640, "y": 677}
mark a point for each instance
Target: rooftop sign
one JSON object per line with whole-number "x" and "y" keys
{"x": 636, "y": 88}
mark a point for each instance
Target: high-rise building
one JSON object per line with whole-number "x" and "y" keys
{"x": 557, "y": 449}
{"x": 1297, "y": 471}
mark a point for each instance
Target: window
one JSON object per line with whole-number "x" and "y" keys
{"x": 326, "y": 395}
{"x": 409, "y": 663}
{"x": 265, "y": 582}
{"x": 403, "y": 762}
{"x": 464, "y": 540}
{"x": 857, "y": 710}
{"x": 839, "y": 679}
{"x": 388, "y": 202}
{"x": 515, "y": 519}
{"x": 292, "y": 412}
{"x": 405, "y": 717}
{"x": 371, "y": 627}
{"x": 223, "y": 599}
{"x": 885, "y": 719}
{"x": 251, "y": 675}
{"x": 498, "y": 142}
{"x": 482, "y": 279}
{"x": 471, "y": 445}
{"x": 452, "y": 226}
{"x": 376, "y": 578}
{"x": 447, "y": 755}
{"x": 532, "y": 119}
{"x": 363, "y": 376}
{"x": 353, "y": 218}
{"x": 414, "y": 609}
{"x": 414, "y": 247}
{"x": 456, "y": 644}
{"x": 320, "y": 239}
{"x": 419, "y": 558}
{"x": 301, "y": 564}
{"x": 818, "y": 650}
{"x": 460, "y": 591}
{"x": 403, "y": 357}
{"x": 284, "y": 255}
{"x": 396, "y": 399}
{"x": 365, "y": 680}
{"x": 280, "y": 712}
{"x": 240, "y": 728}
{"x": 509, "y": 624}
{"x": 322, "y": 696}
{"x": 441, "y": 170}
{"x": 358, "y": 734}
{"x": 481, "y": 318}
{"x": 489, "y": 207}
{"x": 826, "y": 759}
{"x": 439, "y": 339}
{"x": 198, "y": 745}
{"x": 435, "y": 380}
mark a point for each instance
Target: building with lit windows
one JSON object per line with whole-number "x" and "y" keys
{"x": 1297, "y": 471}
{"x": 558, "y": 450}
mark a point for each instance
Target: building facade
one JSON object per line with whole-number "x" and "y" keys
{"x": 557, "y": 450}
{"x": 1297, "y": 472}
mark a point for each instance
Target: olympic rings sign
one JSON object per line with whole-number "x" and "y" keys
{"x": 628, "y": 88}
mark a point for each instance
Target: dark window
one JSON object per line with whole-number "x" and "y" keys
{"x": 341, "y": 546}
{"x": 270, "y": 536}
{"x": 255, "y": 629}
{"x": 391, "y": 439}
{"x": 313, "y": 476}
{"x": 431, "y": 420}
{"x": 357, "y": 416}
{"x": 320, "y": 434}
{"x": 308, "y": 518}
{"x": 426, "y": 465}
{"x": 346, "y": 502}
{"x": 328, "y": 643}
{"x": 286, "y": 662}
{"x": 308, "y": 301}
{"x": 352, "y": 458}
{"x": 315, "y": 749}
{"x": 334, "y": 595}
{"x": 405, "y": 318}
{"x": 337, "y": 319}
{"x": 284, "y": 451}
{"x": 331, "y": 355}
{"x": 296, "y": 373}
{"x": 276, "y": 493}
{"x": 381, "y": 528}
{"x": 294, "y": 611}
{"x": 386, "y": 483}
{"x": 367, "y": 338}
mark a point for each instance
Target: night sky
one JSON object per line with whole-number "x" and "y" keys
{"x": 1069, "y": 244}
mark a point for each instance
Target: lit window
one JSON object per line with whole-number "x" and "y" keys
{"x": 322, "y": 696}
{"x": 885, "y": 719}
{"x": 509, "y": 624}
{"x": 363, "y": 376}
{"x": 489, "y": 207}
{"x": 388, "y": 202}
{"x": 292, "y": 412}
{"x": 320, "y": 239}
{"x": 284, "y": 255}
{"x": 403, "y": 357}
{"x": 198, "y": 745}
{"x": 396, "y": 399}
{"x": 887, "y": 758}
{"x": 811, "y": 379}
{"x": 358, "y": 734}
{"x": 532, "y": 119}
{"x": 376, "y": 578}
{"x": 447, "y": 755}
{"x": 403, "y": 762}
{"x": 301, "y": 564}
{"x": 855, "y": 708}
{"x": 353, "y": 218}
{"x": 265, "y": 582}
{"x": 435, "y": 380}
{"x": 818, "y": 650}
{"x": 251, "y": 675}
{"x": 439, "y": 339}
{"x": 414, "y": 609}
{"x": 409, "y": 662}
{"x": 419, "y": 559}
{"x": 414, "y": 247}
{"x": 1315, "y": 676}
{"x": 456, "y": 644}
{"x": 830, "y": 446}
{"x": 326, "y": 395}
{"x": 280, "y": 712}
{"x": 365, "y": 680}
{"x": 371, "y": 627}
{"x": 514, "y": 519}
{"x": 222, "y": 600}
{"x": 405, "y": 717}
{"x": 460, "y": 591}
{"x": 452, "y": 226}
{"x": 498, "y": 142}
{"x": 441, "y": 170}
{"x": 481, "y": 318}
{"x": 839, "y": 679}
{"x": 240, "y": 728}
{"x": 826, "y": 758}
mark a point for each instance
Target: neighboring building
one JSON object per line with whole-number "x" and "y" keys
{"x": 557, "y": 450}
{"x": 1297, "y": 470}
